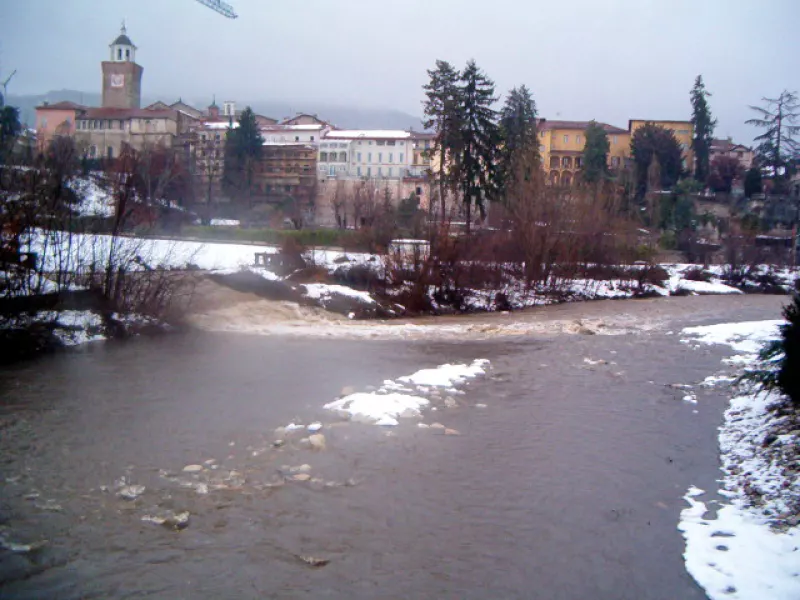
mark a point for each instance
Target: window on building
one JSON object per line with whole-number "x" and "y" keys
{"x": 578, "y": 140}
{"x": 380, "y": 171}
{"x": 427, "y": 145}
{"x": 541, "y": 147}
{"x": 323, "y": 157}
{"x": 390, "y": 143}
{"x": 369, "y": 171}
{"x": 391, "y": 157}
{"x": 740, "y": 154}
{"x": 127, "y": 54}
{"x": 342, "y": 156}
{"x": 312, "y": 138}
{"x": 391, "y": 170}
{"x": 683, "y": 132}
{"x": 614, "y": 139}
{"x": 380, "y": 157}
{"x": 119, "y": 53}
{"x": 332, "y": 171}
{"x": 566, "y": 139}
{"x": 401, "y": 157}
{"x": 358, "y": 171}
{"x": 541, "y": 134}
{"x": 297, "y": 138}
{"x": 380, "y": 143}
{"x": 110, "y": 153}
{"x": 369, "y": 157}
{"x": 92, "y": 151}
{"x": 359, "y": 156}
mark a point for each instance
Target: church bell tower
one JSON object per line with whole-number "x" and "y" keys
{"x": 122, "y": 77}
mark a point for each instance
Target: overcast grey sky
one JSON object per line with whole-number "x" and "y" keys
{"x": 605, "y": 59}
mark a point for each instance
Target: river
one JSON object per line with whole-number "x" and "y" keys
{"x": 567, "y": 484}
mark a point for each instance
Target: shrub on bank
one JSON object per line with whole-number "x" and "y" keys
{"x": 780, "y": 359}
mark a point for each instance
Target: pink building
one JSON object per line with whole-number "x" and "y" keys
{"x": 56, "y": 119}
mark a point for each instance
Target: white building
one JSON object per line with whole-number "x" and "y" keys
{"x": 372, "y": 154}
{"x": 334, "y": 158}
{"x": 310, "y": 133}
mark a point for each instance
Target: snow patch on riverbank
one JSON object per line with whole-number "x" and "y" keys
{"x": 750, "y": 549}
{"x": 747, "y": 336}
{"x": 405, "y": 397}
{"x": 323, "y": 291}
{"x": 736, "y": 556}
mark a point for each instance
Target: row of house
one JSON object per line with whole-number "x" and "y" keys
{"x": 301, "y": 154}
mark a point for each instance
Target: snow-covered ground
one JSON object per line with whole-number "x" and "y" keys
{"x": 83, "y": 249}
{"x": 407, "y": 396}
{"x": 749, "y": 549}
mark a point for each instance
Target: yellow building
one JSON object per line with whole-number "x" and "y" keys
{"x": 561, "y": 144}
{"x": 683, "y": 130}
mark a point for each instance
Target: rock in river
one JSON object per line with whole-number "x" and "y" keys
{"x": 192, "y": 468}
{"x": 131, "y": 492}
{"x": 317, "y": 441}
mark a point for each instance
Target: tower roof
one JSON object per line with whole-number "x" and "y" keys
{"x": 122, "y": 38}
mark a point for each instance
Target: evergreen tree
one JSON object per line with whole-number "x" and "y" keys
{"x": 10, "y": 128}
{"x": 703, "y": 126}
{"x": 480, "y": 136}
{"x": 655, "y": 141}
{"x": 518, "y": 133}
{"x": 778, "y": 148}
{"x": 595, "y": 153}
{"x": 752, "y": 181}
{"x": 243, "y": 147}
{"x": 441, "y": 109}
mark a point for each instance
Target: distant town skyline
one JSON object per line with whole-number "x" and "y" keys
{"x": 609, "y": 61}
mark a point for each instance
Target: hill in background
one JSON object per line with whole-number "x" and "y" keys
{"x": 346, "y": 117}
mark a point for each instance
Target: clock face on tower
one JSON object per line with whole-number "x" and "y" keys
{"x": 117, "y": 80}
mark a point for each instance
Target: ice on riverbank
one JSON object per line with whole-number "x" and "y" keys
{"x": 736, "y": 556}
{"x": 750, "y": 549}
{"x": 405, "y": 396}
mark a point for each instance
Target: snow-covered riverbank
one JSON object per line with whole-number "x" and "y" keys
{"x": 750, "y": 549}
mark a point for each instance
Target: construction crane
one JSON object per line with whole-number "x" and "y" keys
{"x": 223, "y": 8}
{"x": 4, "y": 95}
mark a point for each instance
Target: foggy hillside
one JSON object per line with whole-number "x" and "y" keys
{"x": 341, "y": 116}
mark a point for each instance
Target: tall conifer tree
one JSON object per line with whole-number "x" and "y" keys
{"x": 480, "y": 136}
{"x": 703, "y": 126}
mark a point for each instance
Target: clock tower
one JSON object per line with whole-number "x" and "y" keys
{"x": 122, "y": 77}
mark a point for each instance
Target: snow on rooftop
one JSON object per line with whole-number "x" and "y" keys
{"x": 395, "y": 134}
{"x": 220, "y": 125}
{"x": 306, "y": 127}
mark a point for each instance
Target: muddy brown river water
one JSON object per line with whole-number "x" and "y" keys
{"x": 568, "y": 484}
